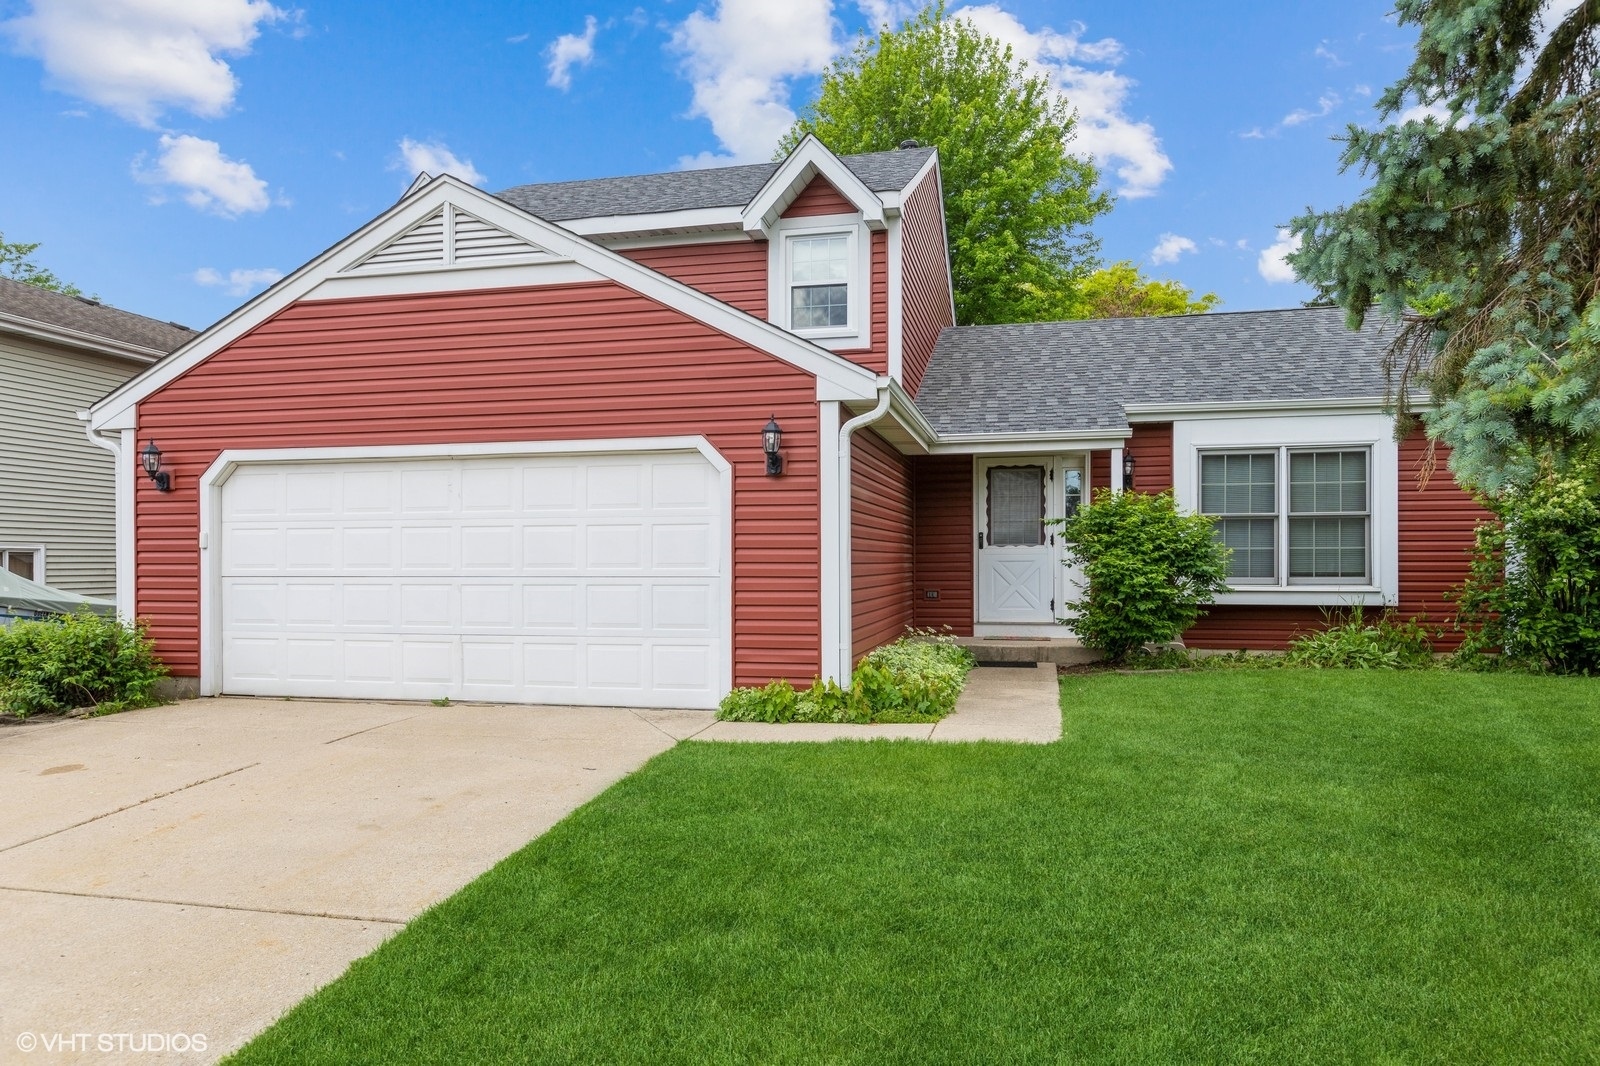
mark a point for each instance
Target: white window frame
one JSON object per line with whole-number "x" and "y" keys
{"x": 1310, "y": 431}
{"x": 38, "y": 553}
{"x": 1282, "y": 516}
{"x": 857, "y": 333}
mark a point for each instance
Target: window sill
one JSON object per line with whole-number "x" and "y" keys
{"x": 833, "y": 338}
{"x": 1305, "y": 596}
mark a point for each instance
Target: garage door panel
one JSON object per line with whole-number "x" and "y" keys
{"x": 539, "y": 579}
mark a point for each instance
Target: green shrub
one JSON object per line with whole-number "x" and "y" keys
{"x": 76, "y": 660}
{"x": 1148, "y": 567}
{"x": 915, "y": 679}
{"x": 1387, "y": 643}
{"x": 1533, "y": 592}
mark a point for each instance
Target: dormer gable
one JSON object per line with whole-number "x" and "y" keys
{"x": 809, "y": 160}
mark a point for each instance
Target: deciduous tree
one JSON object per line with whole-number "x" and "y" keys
{"x": 1017, "y": 203}
{"x": 16, "y": 262}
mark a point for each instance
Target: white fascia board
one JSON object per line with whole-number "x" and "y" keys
{"x": 1035, "y": 443}
{"x": 563, "y": 245}
{"x": 72, "y": 338}
{"x": 1174, "y": 412}
{"x": 701, "y": 218}
{"x": 809, "y": 159}
{"x": 905, "y": 411}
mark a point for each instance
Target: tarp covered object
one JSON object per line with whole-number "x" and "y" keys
{"x": 19, "y": 596}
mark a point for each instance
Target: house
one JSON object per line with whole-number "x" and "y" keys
{"x": 636, "y": 440}
{"x": 59, "y": 354}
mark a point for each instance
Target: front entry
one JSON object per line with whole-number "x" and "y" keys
{"x": 1020, "y": 572}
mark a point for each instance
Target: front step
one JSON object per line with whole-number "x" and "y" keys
{"x": 1028, "y": 650}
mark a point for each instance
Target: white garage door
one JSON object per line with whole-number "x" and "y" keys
{"x": 546, "y": 579}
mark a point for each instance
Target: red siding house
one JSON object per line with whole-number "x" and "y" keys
{"x": 516, "y": 447}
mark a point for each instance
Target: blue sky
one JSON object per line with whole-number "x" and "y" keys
{"x": 174, "y": 155}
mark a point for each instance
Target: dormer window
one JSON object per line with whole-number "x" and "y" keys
{"x": 819, "y": 282}
{"x": 819, "y": 271}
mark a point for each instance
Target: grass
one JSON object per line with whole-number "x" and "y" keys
{"x": 1274, "y": 866}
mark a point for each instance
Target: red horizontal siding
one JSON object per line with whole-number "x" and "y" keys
{"x": 1099, "y": 471}
{"x": 942, "y": 489}
{"x": 570, "y": 362}
{"x": 881, "y": 542}
{"x": 925, "y": 280}
{"x": 734, "y": 272}
{"x": 820, "y": 197}
{"x": 1232, "y": 627}
{"x": 1151, "y": 448}
{"x": 1437, "y": 523}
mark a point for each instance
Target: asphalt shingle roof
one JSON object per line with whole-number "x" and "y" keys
{"x": 86, "y": 316}
{"x": 1077, "y": 376}
{"x": 687, "y": 190}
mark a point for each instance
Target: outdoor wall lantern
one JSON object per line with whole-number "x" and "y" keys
{"x": 1127, "y": 470}
{"x": 771, "y": 441}
{"x": 150, "y": 459}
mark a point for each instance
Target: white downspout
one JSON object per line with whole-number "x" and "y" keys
{"x": 846, "y": 589}
{"x": 122, "y": 517}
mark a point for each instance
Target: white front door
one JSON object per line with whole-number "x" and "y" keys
{"x": 1017, "y": 563}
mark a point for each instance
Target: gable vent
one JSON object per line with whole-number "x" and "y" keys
{"x": 476, "y": 241}
{"x": 422, "y": 243}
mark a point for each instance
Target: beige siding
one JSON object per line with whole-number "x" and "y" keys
{"x": 56, "y": 487}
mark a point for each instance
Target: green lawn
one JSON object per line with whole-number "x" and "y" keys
{"x": 1232, "y": 866}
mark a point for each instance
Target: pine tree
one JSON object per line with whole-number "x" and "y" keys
{"x": 1481, "y": 233}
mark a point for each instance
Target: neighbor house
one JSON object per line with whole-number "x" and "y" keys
{"x": 635, "y": 440}
{"x": 58, "y": 355}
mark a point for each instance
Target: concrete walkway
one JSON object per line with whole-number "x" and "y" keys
{"x": 1016, "y": 703}
{"x": 193, "y": 871}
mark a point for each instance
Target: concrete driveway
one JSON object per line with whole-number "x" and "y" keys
{"x": 176, "y": 878}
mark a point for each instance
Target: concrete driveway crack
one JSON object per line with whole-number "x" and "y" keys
{"x": 129, "y": 806}
{"x": 207, "y": 906}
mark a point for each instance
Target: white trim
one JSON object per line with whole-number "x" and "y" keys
{"x": 674, "y": 240}
{"x": 1172, "y": 412}
{"x": 831, "y": 533}
{"x": 838, "y": 372}
{"x": 1117, "y": 481}
{"x": 35, "y": 330}
{"x": 123, "y": 446}
{"x": 1373, "y": 432}
{"x": 699, "y": 218}
{"x": 460, "y": 278}
{"x": 858, "y": 333}
{"x": 894, "y": 299}
{"x": 1030, "y": 443}
{"x": 38, "y": 552}
{"x": 217, "y": 474}
{"x": 809, "y": 159}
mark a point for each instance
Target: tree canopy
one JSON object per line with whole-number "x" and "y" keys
{"x": 1481, "y": 233}
{"x": 16, "y": 263}
{"x": 1120, "y": 291}
{"x": 1017, "y": 204}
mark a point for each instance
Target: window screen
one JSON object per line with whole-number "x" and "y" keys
{"x": 819, "y": 275}
{"x": 1328, "y": 515}
{"x": 1016, "y": 506}
{"x": 1236, "y": 488}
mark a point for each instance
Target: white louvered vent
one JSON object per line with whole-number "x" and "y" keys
{"x": 422, "y": 243}
{"x": 477, "y": 241}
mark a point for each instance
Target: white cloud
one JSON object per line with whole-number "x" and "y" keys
{"x": 740, "y": 60}
{"x": 1325, "y": 105}
{"x": 239, "y": 282}
{"x": 1328, "y": 55}
{"x": 882, "y": 13}
{"x": 1420, "y": 112}
{"x": 435, "y": 158}
{"x": 569, "y": 50}
{"x": 1170, "y": 247}
{"x": 1119, "y": 144}
{"x": 210, "y": 180}
{"x": 1253, "y": 134}
{"x": 139, "y": 57}
{"x": 518, "y": 38}
{"x": 1271, "y": 265}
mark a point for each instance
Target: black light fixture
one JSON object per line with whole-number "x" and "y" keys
{"x": 771, "y": 441}
{"x": 150, "y": 459}
{"x": 1127, "y": 470}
